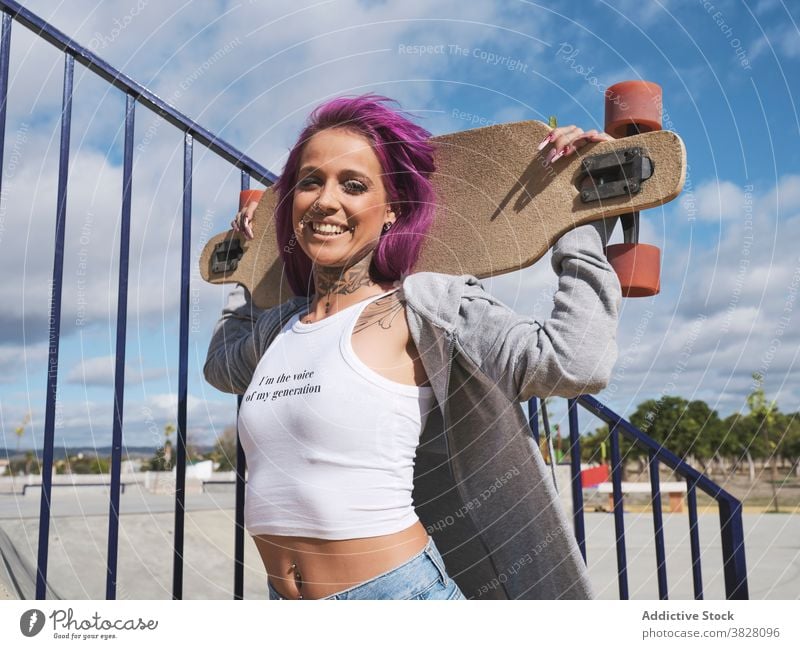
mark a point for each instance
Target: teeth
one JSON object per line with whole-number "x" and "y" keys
{"x": 327, "y": 228}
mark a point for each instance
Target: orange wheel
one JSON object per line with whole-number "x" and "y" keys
{"x": 248, "y": 195}
{"x": 631, "y": 107}
{"x": 638, "y": 266}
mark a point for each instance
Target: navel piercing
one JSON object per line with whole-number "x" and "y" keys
{"x": 298, "y": 578}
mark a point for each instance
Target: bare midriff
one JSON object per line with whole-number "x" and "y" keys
{"x": 381, "y": 339}
{"x": 328, "y": 566}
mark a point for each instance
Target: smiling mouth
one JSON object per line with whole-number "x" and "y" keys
{"x": 326, "y": 232}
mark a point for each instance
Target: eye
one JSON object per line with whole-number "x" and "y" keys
{"x": 351, "y": 186}
{"x": 354, "y": 187}
{"x": 306, "y": 181}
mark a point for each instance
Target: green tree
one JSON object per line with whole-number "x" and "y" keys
{"x": 224, "y": 451}
{"x": 766, "y": 414}
{"x": 159, "y": 460}
{"x": 83, "y": 464}
{"x": 791, "y": 442}
{"x": 596, "y": 447}
{"x": 741, "y": 441}
{"x": 691, "y": 430}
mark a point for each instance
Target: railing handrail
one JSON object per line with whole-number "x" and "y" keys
{"x": 681, "y": 467}
{"x": 730, "y": 508}
{"x": 142, "y": 95}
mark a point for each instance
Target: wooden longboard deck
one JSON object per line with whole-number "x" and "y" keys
{"x": 500, "y": 207}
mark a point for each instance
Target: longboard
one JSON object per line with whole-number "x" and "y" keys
{"x": 500, "y": 206}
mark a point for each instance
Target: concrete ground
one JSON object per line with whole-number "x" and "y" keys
{"x": 79, "y": 532}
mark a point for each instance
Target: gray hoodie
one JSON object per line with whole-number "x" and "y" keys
{"x": 481, "y": 487}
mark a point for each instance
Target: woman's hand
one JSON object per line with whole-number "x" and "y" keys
{"x": 241, "y": 222}
{"x": 568, "y": 139}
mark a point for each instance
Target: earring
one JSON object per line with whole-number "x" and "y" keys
{"x": 387, "y": 226}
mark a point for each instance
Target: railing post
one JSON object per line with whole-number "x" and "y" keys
{"x": 5, "y": 55}
{"x": 241, "y": 467}
{"x": 183, "y": 370}
{"x": 533, "y": 419}
{"x": 619, "y": 521}
{"x": 658, "y": 524}
{"x": 733, "y": 557}
{"x": 55, "y": 330}
{"x": 119, "y": 369}
{"x": 577, "y": 481}
{"x": 694, "y": 537}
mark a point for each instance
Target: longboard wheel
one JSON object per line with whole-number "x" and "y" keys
{"x": 248, "y": 195}
{"x": 638, "y": 266}
{"x": 633, "y": 103}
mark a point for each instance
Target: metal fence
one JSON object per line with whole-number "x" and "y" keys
{"x": 193, "y": 132}
{"x": 729, "y": 507}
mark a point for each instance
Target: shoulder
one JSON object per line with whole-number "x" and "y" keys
{"x": 448, "y": 301}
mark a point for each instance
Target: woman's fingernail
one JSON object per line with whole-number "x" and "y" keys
{"x": 544, "y": 142}
{"x": 559, "y": 154}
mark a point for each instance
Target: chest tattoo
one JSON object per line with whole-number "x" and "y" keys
{"x": 381, "y": 313}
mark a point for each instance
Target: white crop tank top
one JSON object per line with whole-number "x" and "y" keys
{"x": 329, "y": 442}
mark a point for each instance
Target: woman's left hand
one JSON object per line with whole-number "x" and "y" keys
{"x": 568, "y": 139}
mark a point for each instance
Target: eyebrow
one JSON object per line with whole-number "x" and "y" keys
{"x": 311, "y": 168}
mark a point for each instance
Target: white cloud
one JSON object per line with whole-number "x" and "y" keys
{"x": 257, "y": 95}
{"x": 719, "y": 201}
{"x": 782, "y": 39}
{"x": 99, "y": 371}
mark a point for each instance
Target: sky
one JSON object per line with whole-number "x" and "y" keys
{"x": 251, "y": 72}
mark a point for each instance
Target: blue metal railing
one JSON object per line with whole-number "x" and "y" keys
{"x": 193, "y": 132}
{"x": 729, "y": 507}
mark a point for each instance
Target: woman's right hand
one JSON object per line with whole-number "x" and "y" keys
{"x": 241, "y": 222}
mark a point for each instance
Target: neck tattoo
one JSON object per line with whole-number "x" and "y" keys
{"x": 332, "y": 281}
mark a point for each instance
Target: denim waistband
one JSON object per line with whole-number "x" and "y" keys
{"x": 425, "y": 564}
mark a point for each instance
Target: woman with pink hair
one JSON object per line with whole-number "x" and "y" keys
{"x": 380, "y": 418}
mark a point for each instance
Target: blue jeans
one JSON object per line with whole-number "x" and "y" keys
{"x": 423, "y": 576}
